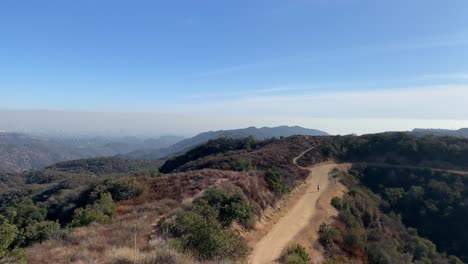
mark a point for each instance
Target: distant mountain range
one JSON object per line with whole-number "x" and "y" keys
{"x": 258, "y": 133}
{"x": 20, "y": 151}
{"x": 463, "y": 132}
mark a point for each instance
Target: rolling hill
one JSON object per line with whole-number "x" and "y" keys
{"x": 258, "y": 133}
{"x": 22, "y": 152}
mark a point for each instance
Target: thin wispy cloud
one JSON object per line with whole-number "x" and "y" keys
{"x": 239, "y": 67}
{"x": 257, "y": 92}
{"x": 445, "y": 76}
{"x": 421, "y": 42}
{"x": 416, "y": 102}
{"x": 426, "y": 80}
{"x": 416, "y": 43}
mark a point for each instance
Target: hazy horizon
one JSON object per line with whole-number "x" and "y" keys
{"x": 110, "y": 124}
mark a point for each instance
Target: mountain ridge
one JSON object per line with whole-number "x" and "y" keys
{"x": 462, "y": 132}
{"x": 20, "y": 151}
{"x": 258, "y": 133}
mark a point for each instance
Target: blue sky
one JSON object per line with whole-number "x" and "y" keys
{"x": 189, "y": 56}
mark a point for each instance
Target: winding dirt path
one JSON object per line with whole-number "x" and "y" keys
{"x": 299, "y": 220}
{"x": 299, "y": 217}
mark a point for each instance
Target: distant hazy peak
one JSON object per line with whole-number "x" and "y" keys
{"x": 258, "y": 133}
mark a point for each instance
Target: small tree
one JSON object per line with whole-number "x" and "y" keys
{"x": 23, "y": 212}
{"x": 297, "y": 255}
{"x": 230, "y": 207}
{"x": 327, "y": 235}
{"x": 102, "y": 211}
{"x": 40, "y": 231}
{"x": 8, "y": 233}
{"x": 124, "y": 190}
{"x": 276, "y": 181}
{"x": 337, "y": 203}
{"x": 200, "y": 232}
{"x": 242, "y": 165}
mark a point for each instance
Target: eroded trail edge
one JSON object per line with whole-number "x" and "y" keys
{"x": 300, "y": 220}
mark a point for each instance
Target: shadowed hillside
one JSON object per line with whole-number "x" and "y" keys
{"x": 21, "y": 152}
{"x": 462, "y": 132}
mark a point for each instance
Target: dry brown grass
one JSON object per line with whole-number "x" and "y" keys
{"x": 160, "y": 253}
{"x": 90, "y": 244}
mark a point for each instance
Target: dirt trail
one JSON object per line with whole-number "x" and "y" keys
{"x": 299, "y": 217}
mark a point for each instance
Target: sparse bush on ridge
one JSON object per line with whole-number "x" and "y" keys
{"x": 39, "y": 232}
{"x": 15, "y": 256}
{"x": 8, "y": 234}
{"x": 23, "y": 212}
{"x": 200, "y": 232}
{"x": 327, "y": 235}
{"x": 278, "y": 181}
{"x": 204, "y": 229}
{"x": 159, "y": 253}
{"x": 231, "y": 207}
{"x": 102, "y": 211}
{"x": 337, "y": 203}
{"x": 242, "y": 165}
{"x": 30, "y": 222}
{"x": 296, "y": 254}
{"x": 119, "y": 189}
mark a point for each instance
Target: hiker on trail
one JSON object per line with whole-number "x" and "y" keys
{"x": 318, "y": 188}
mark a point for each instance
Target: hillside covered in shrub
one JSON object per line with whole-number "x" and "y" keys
{"x": 365, "y": 232}
{"x": 110, "y": 211}
{"x": 400, "y": 149}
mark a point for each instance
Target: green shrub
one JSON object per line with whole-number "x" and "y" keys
{"x": 454, "y": 260}
{"x": 15, "y": 256}
{"x": 297, "y": 255}
{"x": 337, "y": 203}
{"x": 327, "y": 235}
{"x": 23, "y": 212}
{"x": 421, "y": 248}
{"x": 336, "y": 173}
{"x": 355, "y": 237}
{"x": 230, "y": 207}
{"x": 119, "y": 189}
{"x": 393, "y": 195}
{"x": 39, "y": 232}
{"x": 276, "y": 181}
{"x": 124, "y": 190}
{"x": 200, "y": 232}
{"x": 102, "y": 211}
{"x": 8, "y": 233}
{"x": 242, "y": 165}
